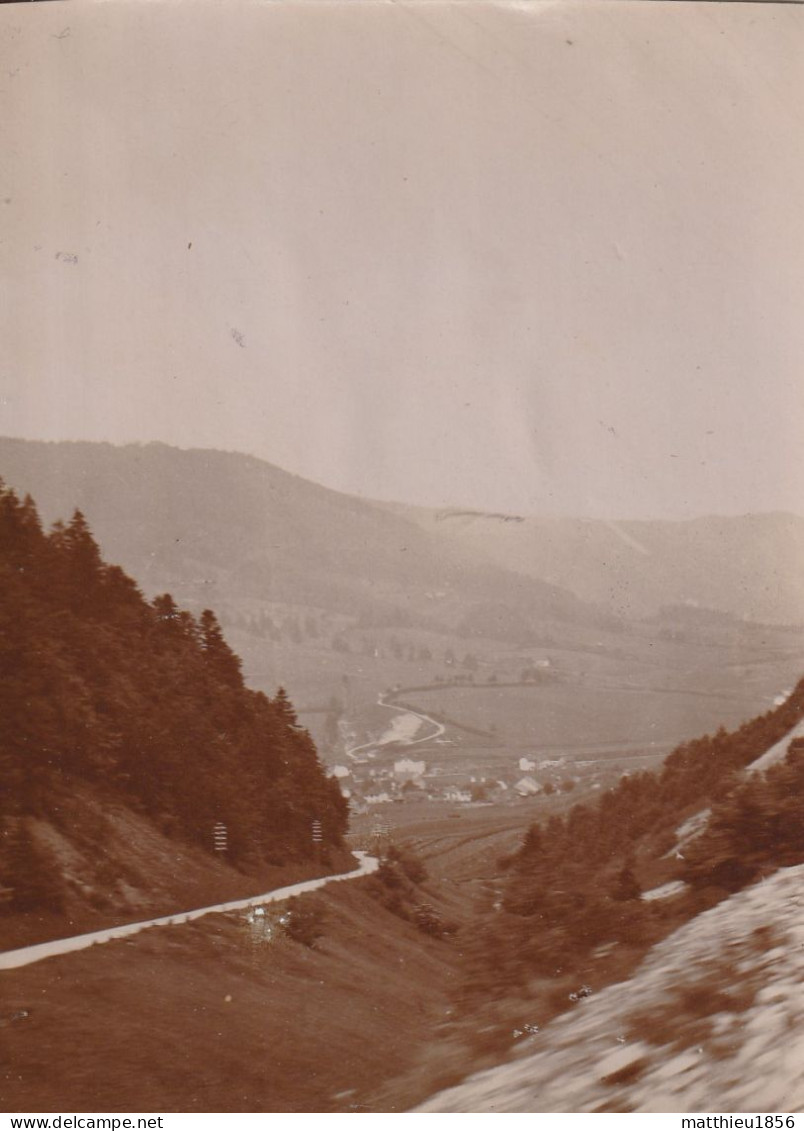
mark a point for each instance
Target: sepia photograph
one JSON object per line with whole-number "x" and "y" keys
{"x": 401, "y": 557}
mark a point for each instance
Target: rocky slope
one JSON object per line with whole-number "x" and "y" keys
{"x": 713, "y": 1020}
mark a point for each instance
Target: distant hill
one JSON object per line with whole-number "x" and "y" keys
{"x": 335, "y": 596}
{"x": 748, "y": 566}
{"x": 209, "y": 524}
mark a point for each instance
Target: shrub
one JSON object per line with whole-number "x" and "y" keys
{"x": 305, "y": 918}
{"x": 410, "y": 864}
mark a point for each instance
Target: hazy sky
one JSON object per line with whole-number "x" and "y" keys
{"x": 534, "y": 257}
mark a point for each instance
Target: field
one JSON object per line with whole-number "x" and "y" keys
{"x": 563, "y": 718}
{"x": 631, "y": 691}
{"x": 594, "y": 713}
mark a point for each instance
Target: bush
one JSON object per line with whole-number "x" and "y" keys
{"x": 395, "y": 886}
{"x": 409, "y": 863}
{"x": 305, "y": 919}
{"x": 430, "y": 922}
{"x": 390, "y": 876}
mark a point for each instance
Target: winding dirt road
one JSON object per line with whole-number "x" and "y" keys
{"x": 394, "y": 735}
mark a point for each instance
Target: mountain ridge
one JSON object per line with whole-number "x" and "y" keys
{"x": 280, "y": 536}
{"x": 746, "y": 565}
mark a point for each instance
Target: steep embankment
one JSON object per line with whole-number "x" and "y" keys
{"x": 29, "y": 955}
{"x": 712, "y": 1020}
{"x": 231, "y": 1013}
{"x": 112, "y": 865}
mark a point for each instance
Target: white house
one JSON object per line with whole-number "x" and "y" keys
{"x": 452, "y": 793}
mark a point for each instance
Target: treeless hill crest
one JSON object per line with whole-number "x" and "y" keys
{"x": 745, "y": 565}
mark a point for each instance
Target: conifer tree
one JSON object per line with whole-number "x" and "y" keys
{"x": 219, "y": 656}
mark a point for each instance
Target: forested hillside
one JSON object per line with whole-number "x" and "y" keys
{"x": 141, "y": 703}
{"x": 576, "y": 884}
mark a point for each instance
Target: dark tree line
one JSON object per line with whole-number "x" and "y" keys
{"x": 754, "y": 829}
{"x": 142, "y": 702}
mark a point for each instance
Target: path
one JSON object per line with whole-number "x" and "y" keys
{"x": 12, "y": 959}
